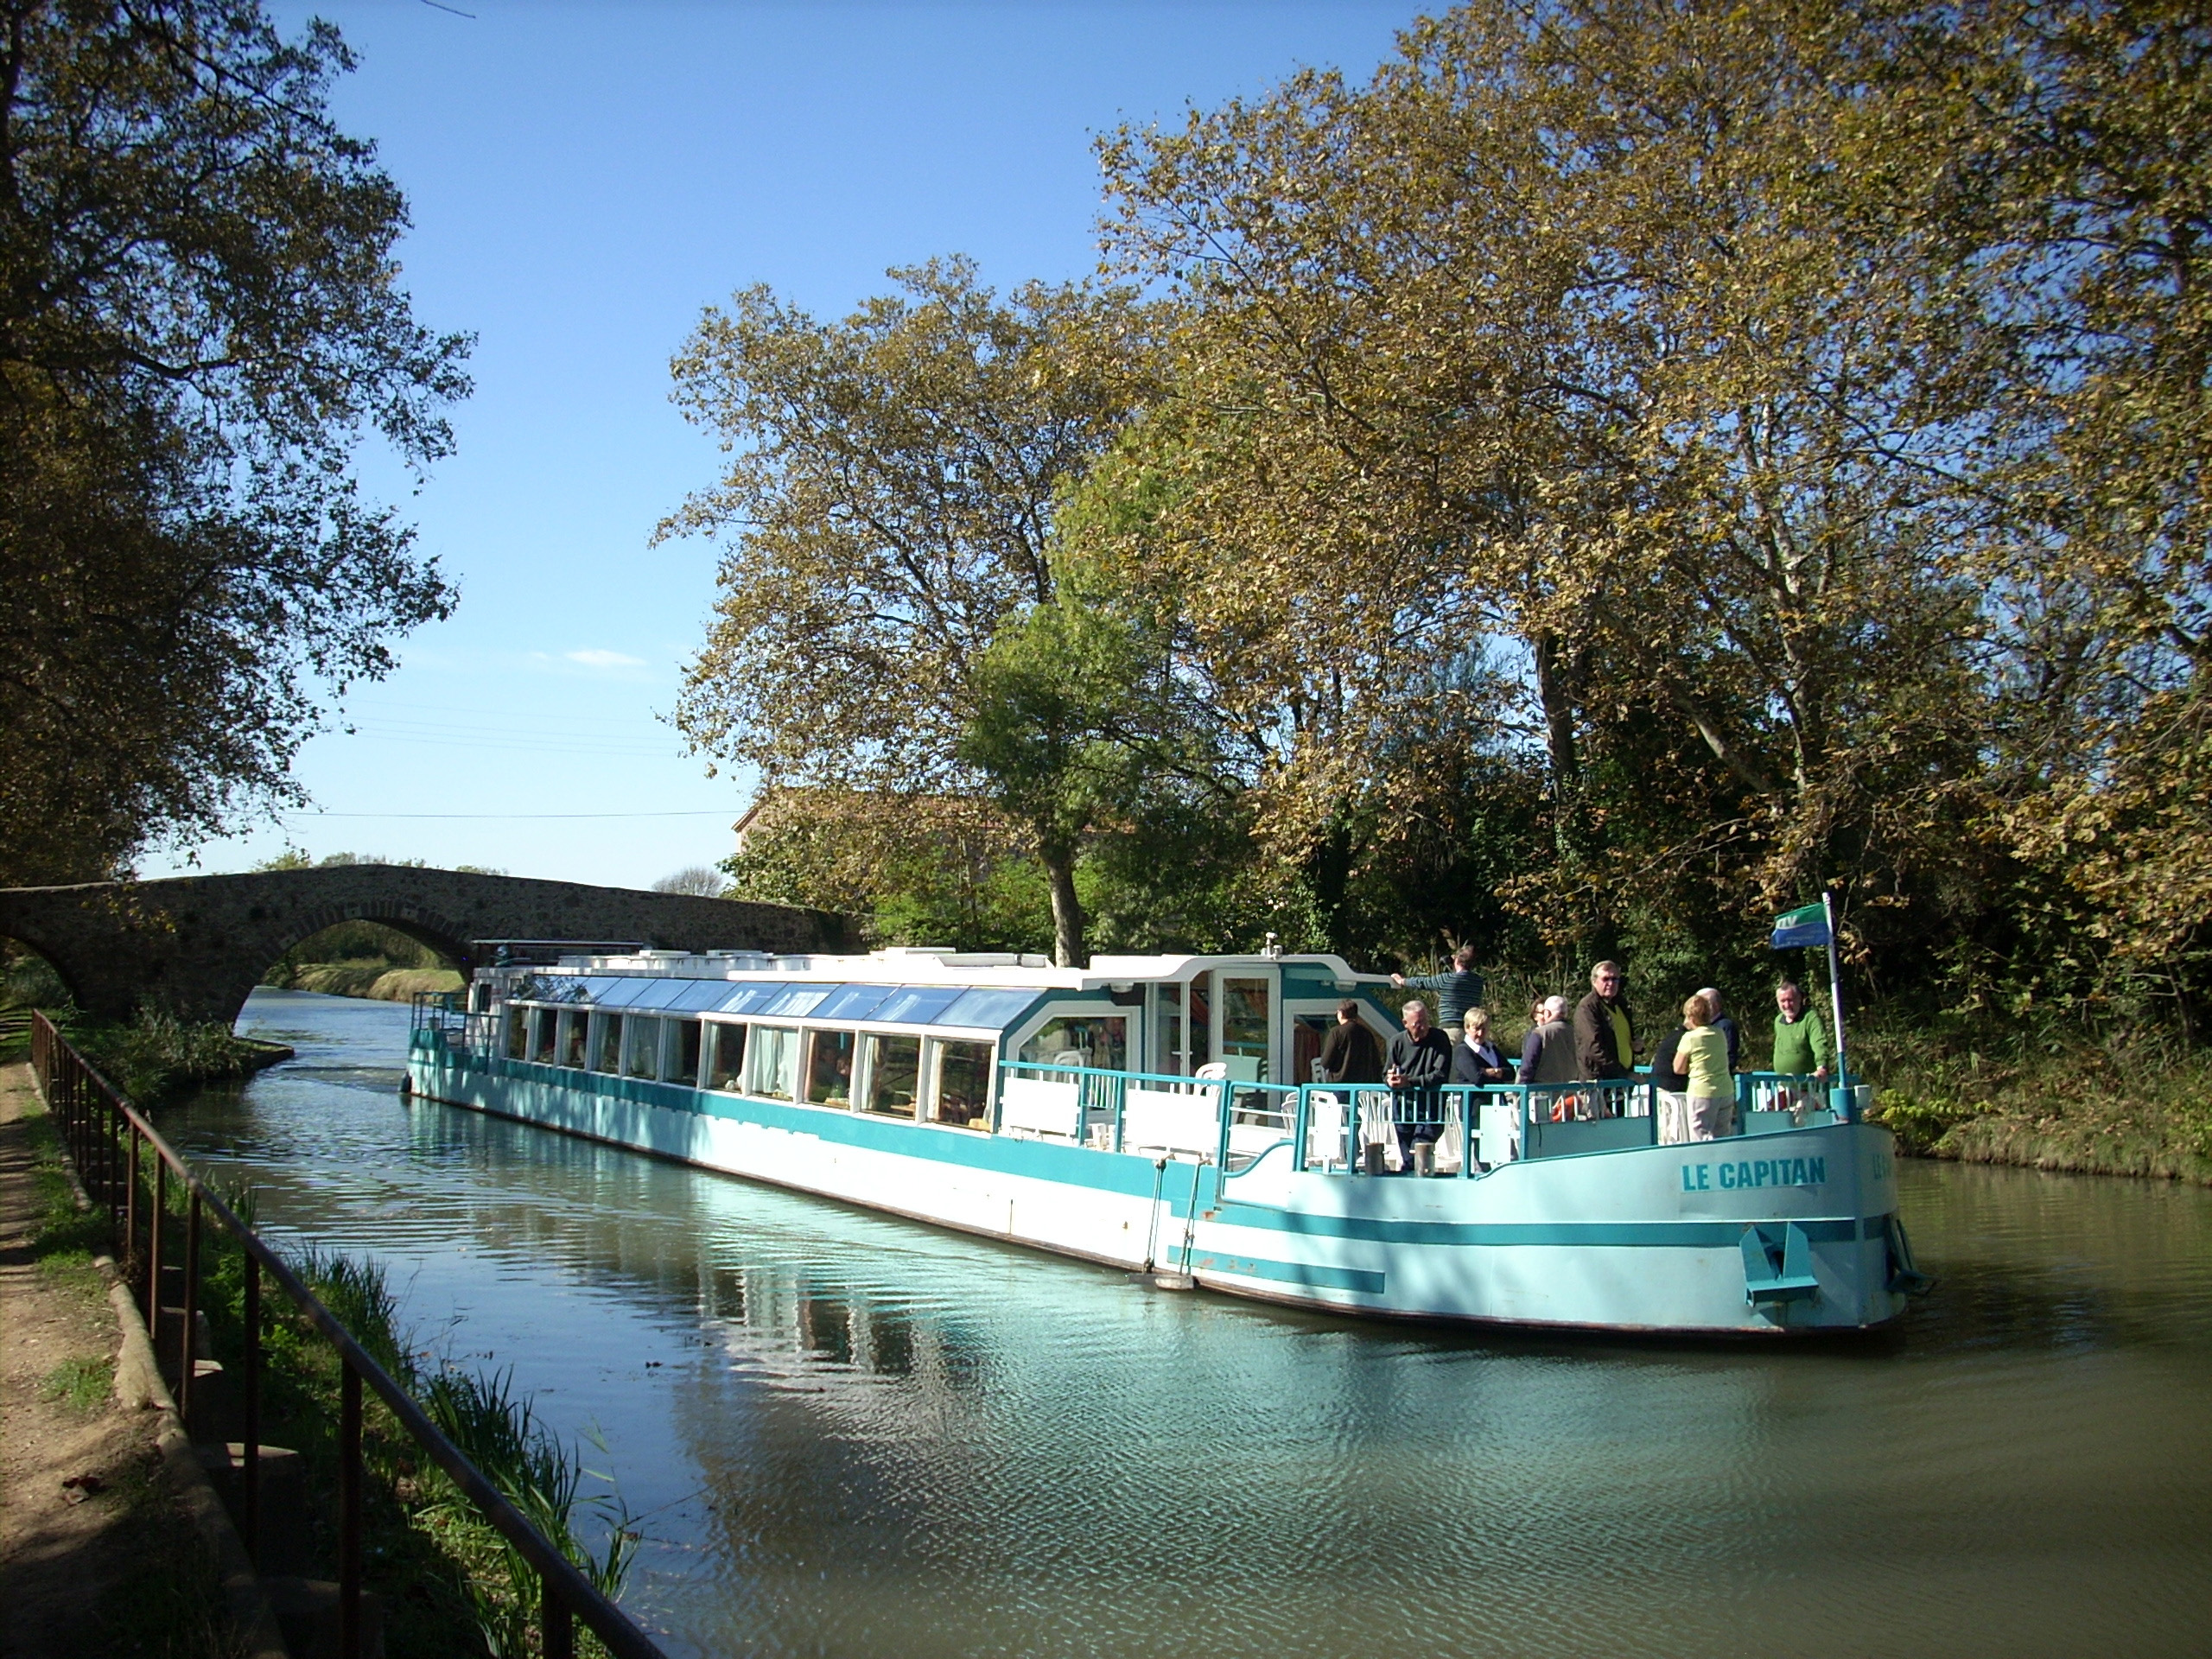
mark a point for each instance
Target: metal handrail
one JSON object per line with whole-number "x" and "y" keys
{"x": 105, "y": 1150}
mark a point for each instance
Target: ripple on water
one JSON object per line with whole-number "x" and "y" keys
{"x": 863, "y": 1436}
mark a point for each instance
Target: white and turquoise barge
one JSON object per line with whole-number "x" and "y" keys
{"x": 1139, "y": 1113}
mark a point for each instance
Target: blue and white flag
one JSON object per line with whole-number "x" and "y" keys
{"x": 1807, "y": 924}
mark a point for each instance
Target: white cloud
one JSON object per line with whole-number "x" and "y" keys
{"x": 598, "y": 658}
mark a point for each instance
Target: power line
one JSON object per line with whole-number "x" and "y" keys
{"x": 511, "y": 818}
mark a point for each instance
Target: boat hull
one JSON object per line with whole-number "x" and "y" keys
{"x": 1758, "y": 1235}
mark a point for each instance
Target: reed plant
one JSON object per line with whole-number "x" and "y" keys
{"x": 153, "y": 1054}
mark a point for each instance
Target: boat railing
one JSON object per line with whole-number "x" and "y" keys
{"x": 1781, "y": 1100}
{"x": 1370, "y": 1128}
{"x": 1235, "y": 1123}
{"x": 1115, "y": 1111}
{"x": 442, "y": 1019}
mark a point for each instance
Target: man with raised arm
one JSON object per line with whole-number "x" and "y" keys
{"x": 1456, "y": 991}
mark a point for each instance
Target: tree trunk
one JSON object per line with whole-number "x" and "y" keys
{"x": 1067, "y": 909}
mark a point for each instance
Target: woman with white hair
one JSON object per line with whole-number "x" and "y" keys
{"x": 1547, "y": 1056}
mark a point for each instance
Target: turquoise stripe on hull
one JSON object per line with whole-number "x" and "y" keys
{"x": 1670, "y": 1235}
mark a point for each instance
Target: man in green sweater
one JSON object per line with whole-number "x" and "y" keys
{"x": 1801, "y": 1041}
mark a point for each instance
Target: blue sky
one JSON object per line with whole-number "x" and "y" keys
{"x": 582, "y": 180}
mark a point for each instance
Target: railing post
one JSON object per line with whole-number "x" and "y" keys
{"x": 349, "y": 1511}
{"x": 154, "y": 1243}
{"x": 251, "y": 1471}
{"x": 118, "y": 1128}
{"x": 131, "y": 1256}
{"x": 556, "y": 1625}
{"x": 188, "y": 1344}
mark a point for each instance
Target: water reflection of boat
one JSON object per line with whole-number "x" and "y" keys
{"x": 1149, "y": 1112}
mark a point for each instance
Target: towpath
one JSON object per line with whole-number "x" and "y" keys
{"x": 96, "y": 1557}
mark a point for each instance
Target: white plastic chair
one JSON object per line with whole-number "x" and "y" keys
{"x": 1325, "y": 1130}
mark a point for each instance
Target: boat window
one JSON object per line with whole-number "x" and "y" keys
{"x": 726, "y": 1064}
{"x": 986, "y": 1010}
{"x": 541, "y": 1038}
{"x": 852, "y": 1002}
{"x": 916, "y": 1005}
{"x": 1306, "y": 1035}
{"x": 621, "y": 990}
{"x": 1244, "y": 1026}
{"x": 687, "y": 1054}
{"x": 830, "y": 1068}
{"x": 660, "y": 993}
{"x": 797, "y": 998}
{"x": 610, "y": 1044}
{"x": 699, "y": 995}
{"x": 963, "y": 1093}
{"x": 1198, "y": 1022}
{"x": 640, "y": 1047}
{"x": 1100, "y": 1041}
{"x": 518, "y": 1033}
{"x": 894, "y": 1074}
{"x": 773, "y": 1067}
{"x": 1167, "y": 1030}
{"x": 753, "y": 997}
{"x": 562, "y": 988}
{"x": 575, "y": 1027}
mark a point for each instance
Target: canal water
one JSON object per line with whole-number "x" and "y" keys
{"x": 846, "y": 1434}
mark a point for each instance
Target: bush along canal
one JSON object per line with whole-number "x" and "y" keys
{"x": 387, "y": 1506}
{"x": 840, "y": 1433}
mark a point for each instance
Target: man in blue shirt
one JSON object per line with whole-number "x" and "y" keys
{"x": 1456, "y": 992}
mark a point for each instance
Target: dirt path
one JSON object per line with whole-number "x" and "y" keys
{"x": 90, "y": 1538}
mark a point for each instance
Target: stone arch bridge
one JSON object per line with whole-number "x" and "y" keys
{"x": 197, "y": 945}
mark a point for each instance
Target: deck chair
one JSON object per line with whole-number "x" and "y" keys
{"x": 1452, "y": 1145}
{"x": 1325, "y": 1130}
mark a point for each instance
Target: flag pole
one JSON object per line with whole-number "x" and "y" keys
{"x": 1842, "y": 1086}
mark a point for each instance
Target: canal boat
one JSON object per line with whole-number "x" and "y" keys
{"x": 1165, "y": 1115}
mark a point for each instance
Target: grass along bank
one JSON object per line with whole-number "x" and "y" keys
{"x": 2122, "y": 1106}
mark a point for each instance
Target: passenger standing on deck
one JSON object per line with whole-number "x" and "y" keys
{"x": 1547, "y": 1054}
{"x": 1605, "y": 1042}
{"x": 1420, "y": 1063}
{"x": 1456, "y": 992}
{"x": 1351, "y": 1054}
{"x": 1701, "y": 1058}
{"x": 1475, "y": 1058}
{"x": 1801, "y": 1041}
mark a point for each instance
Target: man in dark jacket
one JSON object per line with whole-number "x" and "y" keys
{"x": 1420, "y": 1063}
{"x": 1351, "y": 1054}
{"x": 1605, "y": 1042}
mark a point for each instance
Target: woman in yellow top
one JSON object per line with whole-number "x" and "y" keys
{"x": 1702, "y": 1057}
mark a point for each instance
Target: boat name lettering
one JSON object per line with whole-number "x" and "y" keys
{"x": 1755, "y": 1172}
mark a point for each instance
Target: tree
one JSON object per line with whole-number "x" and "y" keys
{"x": 698, "y": 880}
{"x": 889, "y": 506}
{"x": 199, "y": 321}
{"x": 1537, "y": 355}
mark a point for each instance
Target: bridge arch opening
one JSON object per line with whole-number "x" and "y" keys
{"x": 33, "y": 978}
{"x": 389, "y": 958}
